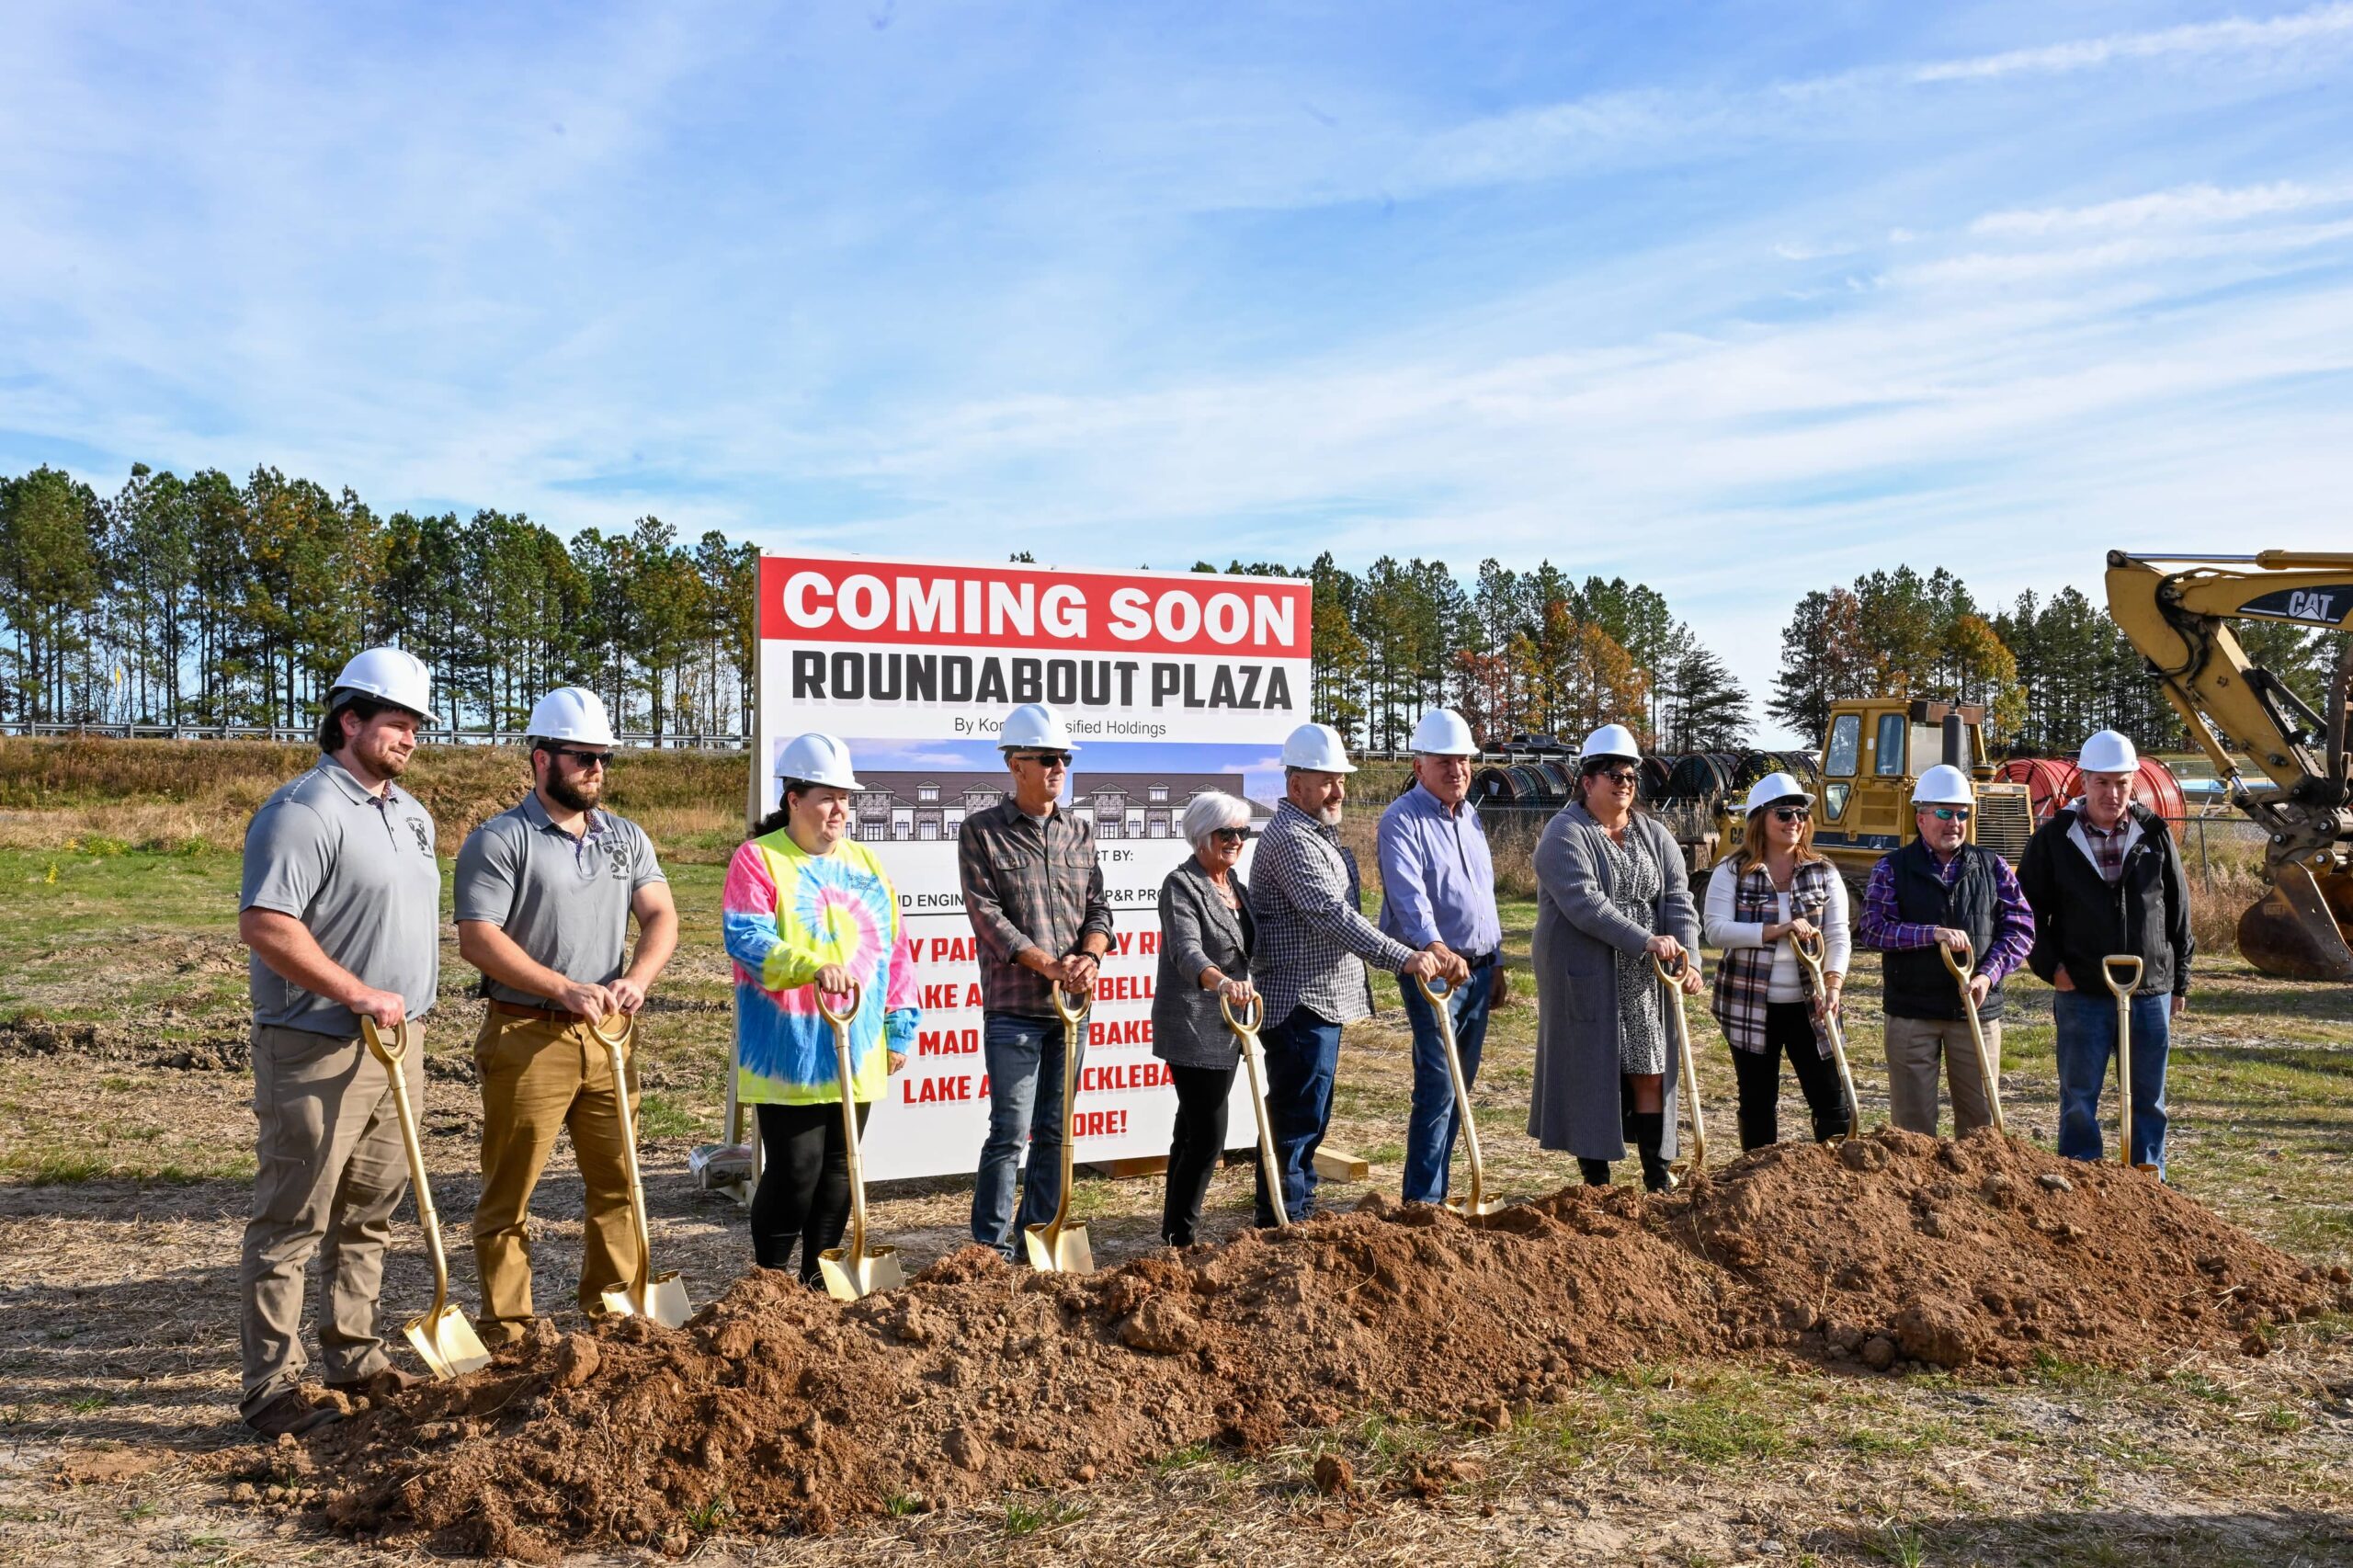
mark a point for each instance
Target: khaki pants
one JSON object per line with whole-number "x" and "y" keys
{"x": 1914, "y": 1047}
{"x": 329, "y": 1169}
{"x": 539, "y": 1077}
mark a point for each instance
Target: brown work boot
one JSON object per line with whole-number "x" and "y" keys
{"x": 379, "y": 1385}
{"x": 289, "y": 1414}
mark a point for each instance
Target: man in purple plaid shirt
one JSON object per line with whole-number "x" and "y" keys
{"x": 1942, "y": 890}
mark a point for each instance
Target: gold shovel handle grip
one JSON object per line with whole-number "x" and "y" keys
{"x": 2131, "y": 963}
{"x": 1252, "y": 1014}
{"x": 391, "y": 1052}
{"x": 856, "y": 994}
{"x": 1069, "y": 1011}
{"x": 1435, "y": 995}
{"x": 1962, "y": 964}
{"x": 1670, "y": 972}
{"x": 621, "y": 1037}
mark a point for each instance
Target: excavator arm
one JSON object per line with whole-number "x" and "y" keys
{"x": 2176, "y": 610}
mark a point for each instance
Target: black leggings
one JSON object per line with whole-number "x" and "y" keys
{"x": 1195, "y": 1149}
{"x": 804, "y": 1184}
{"x": 1789, "y": 1025}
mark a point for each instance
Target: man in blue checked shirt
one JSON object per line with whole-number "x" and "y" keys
{"x": 1438, "y": 894}
{"x": 1313, "y": 944}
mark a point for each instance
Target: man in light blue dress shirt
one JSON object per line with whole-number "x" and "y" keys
{"x": 1438, "y": 894}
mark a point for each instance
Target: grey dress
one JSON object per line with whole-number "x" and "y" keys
{"x": 1197, "y": 930}
{"x": 1581, "y": 936}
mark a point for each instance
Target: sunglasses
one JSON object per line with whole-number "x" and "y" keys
{"x": 1793, "y": 813}
{"x": 1044, "y": 758}
{"x": 1949, "y": 813}
{"x": 1622, "y": 776}
{"x": 1231, "y": 834}
{"x": 583, "y": 760}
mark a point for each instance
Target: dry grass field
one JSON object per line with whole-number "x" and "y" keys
{"x": 125, "y": 1154}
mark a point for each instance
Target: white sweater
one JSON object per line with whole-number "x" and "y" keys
{"x": 1786, "y": 983}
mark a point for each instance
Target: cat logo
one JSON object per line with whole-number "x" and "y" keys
{"x": 2326, "y": 604}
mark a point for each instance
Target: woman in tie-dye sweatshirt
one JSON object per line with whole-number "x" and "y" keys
{"x": 806, "y": 905}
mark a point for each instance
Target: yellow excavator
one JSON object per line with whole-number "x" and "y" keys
{"x": 2176, "y": 609}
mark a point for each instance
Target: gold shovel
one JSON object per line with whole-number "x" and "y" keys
{"x": 1478, "y": 1202}
{"x": 1988, "y": 1070}
{"x": 1673, "y": 980}
{"x": 1270, "y": 1166}
{"x": 444, "y": 1339}
{"x": 853, "y": 1269}
{"x": 662, "y": 1297}
{"x": 1811, "y": 954}
{"x": 1057, "y": 1246}
{"x": 2130, "y": 964}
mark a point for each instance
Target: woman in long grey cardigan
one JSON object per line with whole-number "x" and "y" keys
{"x": 1611, "y": 896}
{"x": 1206, "y": 938}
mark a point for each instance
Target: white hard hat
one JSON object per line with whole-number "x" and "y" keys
{"x": 1943, "y": 785}
{"x": 1317, "y": 748}
{"x": 571, "y": 713}
{"x": 1611, "y": 740}
{"x": 1771, "y": 788}
{"x": 2108, "y": 752}
{"x": 1033, "y": 724}
{"x": 389, "y": 675}
{"x": 1442, "y": 732}
{"x": 817, "y": 758}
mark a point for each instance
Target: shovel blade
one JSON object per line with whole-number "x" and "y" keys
{"x": 1064, "y": 1252}
{"x": 666, "y": 1301}
{"x": 1469, "y": 1210}
{"x": 847, "y": 1277}
{"x": 446, "y": 1343}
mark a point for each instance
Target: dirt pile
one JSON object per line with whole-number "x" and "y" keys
{"x": 778, "y": 1408}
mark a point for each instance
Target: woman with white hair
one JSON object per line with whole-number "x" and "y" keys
{"x": 1206, "y": 938}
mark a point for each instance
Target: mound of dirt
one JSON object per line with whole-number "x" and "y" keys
{"x": 778, "y": 1408}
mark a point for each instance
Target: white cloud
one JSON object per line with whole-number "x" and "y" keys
{"x": 2184, "y": 207}
{"x": 2233, "y": 35}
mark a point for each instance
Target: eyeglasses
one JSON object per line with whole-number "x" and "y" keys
{"x": 1793, "y": 813}
{"x": 1622, "y": 776}
{"x": 1231, "y": 834}
{"x": 583, "y": 760}
{"x": 1949, "y": 813}
{"x": 1044, "y": 758}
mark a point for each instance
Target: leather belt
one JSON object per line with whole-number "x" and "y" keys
{"x": 525, "y": 1010}
{"x": 1481, "y": 961}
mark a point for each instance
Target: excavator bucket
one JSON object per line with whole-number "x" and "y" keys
{"x": 2297, "y": 930}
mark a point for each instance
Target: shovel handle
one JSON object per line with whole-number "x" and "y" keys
{"x": 1670, "y": 972}
{"x": 392, "y": 1056}
{"x": 1964, "y": 965}
{"x": 2131, "y": 963}
{"x": 619, "y": 1039}
{"x": 1246, "y": 1022}
{"x": 615, "y": 1044}
{"x": 389, "y": 1053}
{"x": 856, "y": 994}
{"x": 1070, "y": 1012}
{"x": 1435, "y": 994}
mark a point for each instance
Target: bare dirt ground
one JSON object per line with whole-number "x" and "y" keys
{"x": 125, "y": 1151}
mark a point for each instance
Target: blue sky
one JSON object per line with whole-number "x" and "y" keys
{"x": 1739, "y": 299}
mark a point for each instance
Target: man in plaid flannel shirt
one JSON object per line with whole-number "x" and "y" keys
{"x": 1313, "y": 944}
{"x": 1941, "y": 890}
{"x": 1034, "y": 894}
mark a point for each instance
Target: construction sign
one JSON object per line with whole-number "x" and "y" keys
{"x": 1172, "y": 684}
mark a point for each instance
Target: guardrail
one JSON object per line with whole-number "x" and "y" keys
{"x": 303, "y": 734}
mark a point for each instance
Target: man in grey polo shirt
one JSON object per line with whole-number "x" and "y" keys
{"x": 342, "y": 907}
{"x": 545, "y": 892}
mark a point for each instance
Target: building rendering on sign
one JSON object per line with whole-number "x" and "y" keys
{"x": 923, "y": 807}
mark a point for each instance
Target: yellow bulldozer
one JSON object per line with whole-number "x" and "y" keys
{"x": 2176, "y": 609}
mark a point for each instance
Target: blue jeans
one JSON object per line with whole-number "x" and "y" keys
{"x": 1024, "y": 1067}
{"x": 1431, "y": 1129}
{"x": 2087, "y": 1044}
{"x": 1302, "y": 1060}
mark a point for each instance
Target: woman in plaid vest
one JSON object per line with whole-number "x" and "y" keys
{"x": 1773, "y": 888}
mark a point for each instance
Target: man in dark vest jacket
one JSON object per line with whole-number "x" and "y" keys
{"x": 1941, "y": 889}
{"x": 2106, "y": 881}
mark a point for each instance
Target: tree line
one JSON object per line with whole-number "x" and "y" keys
{"x": 203, "y": 601}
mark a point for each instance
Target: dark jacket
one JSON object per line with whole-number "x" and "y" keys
{"x": 2079, "y": 918}
{"x": 1918, "y": 986}
{"x": 1197, "y": 931}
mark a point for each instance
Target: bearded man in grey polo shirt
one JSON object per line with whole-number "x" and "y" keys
{"x": 545, "y": 892}
{"x": 342, "y": 907}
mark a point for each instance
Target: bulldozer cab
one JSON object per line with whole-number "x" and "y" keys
{"x": 1874, "y": 749}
